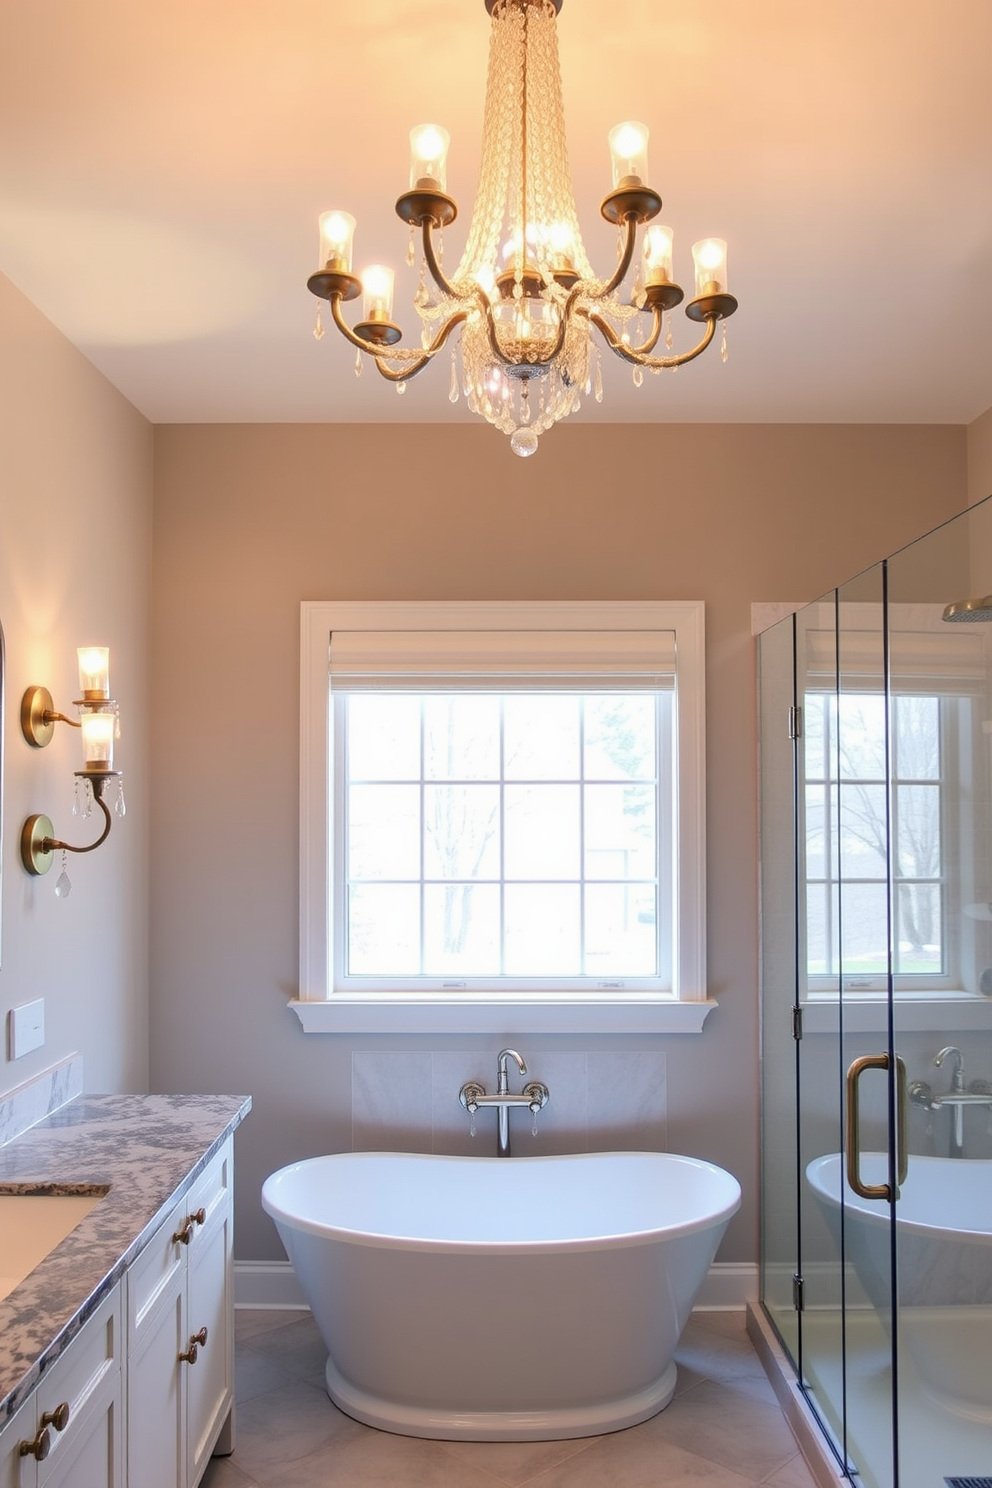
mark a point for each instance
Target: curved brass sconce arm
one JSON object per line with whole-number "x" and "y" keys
{"x": 39, "y": 846}
{"x": 39, "y": 717}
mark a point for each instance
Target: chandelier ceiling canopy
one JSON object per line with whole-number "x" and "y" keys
{"x": 524, "y": 294}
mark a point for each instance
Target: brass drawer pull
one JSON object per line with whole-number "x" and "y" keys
{"x": 185, "y": 1231}
{"x": 39, "y": 1448}
{"x": 196, "y": 1341}
{"x": 59, "y": 1417}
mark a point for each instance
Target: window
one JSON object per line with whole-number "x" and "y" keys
{"x": 502, "y": 813}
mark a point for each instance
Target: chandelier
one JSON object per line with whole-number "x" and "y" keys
{"x": 524, "y": 294}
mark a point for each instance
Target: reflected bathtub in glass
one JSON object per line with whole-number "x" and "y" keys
{"x": 943, "y": 1262}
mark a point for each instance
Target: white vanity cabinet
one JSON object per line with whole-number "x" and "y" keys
{"x": 180, "y": 1344}
{"x": 69, "y": 1433}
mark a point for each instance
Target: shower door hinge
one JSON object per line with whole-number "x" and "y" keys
{"x": 795, "y": 722}
{"x": 797, "y": 1023}
{"x": 798, "y": 1292}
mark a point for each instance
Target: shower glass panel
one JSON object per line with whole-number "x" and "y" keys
{"x": 842, "y": 836}
{"x": 780, "y": 987}
{"x": 876, "y": 986}
{"x": 942, "y": 953}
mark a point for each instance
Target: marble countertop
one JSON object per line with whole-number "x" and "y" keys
{"x": 143, "y": 1149}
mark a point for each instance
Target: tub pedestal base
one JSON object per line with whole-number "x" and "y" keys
{"x": 555, "y": 1424}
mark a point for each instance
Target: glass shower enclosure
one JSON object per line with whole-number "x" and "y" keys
{"x": 875, "y": 726}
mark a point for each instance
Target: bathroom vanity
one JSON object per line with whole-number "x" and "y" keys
{"x": 116, "y": 1365}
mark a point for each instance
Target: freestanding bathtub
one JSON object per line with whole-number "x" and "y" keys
{"x": 943, "y": 1264}
{"x": 522, "y": 1300}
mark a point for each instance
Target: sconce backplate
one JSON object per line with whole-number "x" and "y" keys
{"x": 36, "y": 728}
{"x": 36, "y": 858}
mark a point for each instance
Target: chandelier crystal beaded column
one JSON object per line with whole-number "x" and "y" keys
{"x": 524, "y": 292}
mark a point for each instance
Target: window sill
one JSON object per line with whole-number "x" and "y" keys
{"x": 914, "y": 1012}
{"x": 386, "y": 1013}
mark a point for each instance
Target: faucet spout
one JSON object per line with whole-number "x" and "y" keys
{"x": 957, "y": 1068}
{"x": 957, "y": 1087}
{"x": 502, "y": 1075}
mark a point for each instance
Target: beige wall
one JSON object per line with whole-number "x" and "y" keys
{"x": 75, "y": 563}
{"x": 249, "y": 520}
{"x": 980, "y": 458}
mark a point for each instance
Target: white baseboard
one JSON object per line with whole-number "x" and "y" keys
{"x": 728, "y": 1286}
{"x": 267, "y": 1284}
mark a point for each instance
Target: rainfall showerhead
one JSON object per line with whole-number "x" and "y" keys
{"x": 971, "y": 611}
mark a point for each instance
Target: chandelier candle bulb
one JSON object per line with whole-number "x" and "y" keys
{"x": 98, "y": 740}
{"x": 377, "y": 287}
{"x": 94, "y": 672}
{"x": 629, "y": 153}
{"x": 710, "y": 258}
{"x": 658, "y": 251}
{"x": 429, "y": 156}
{"x": 337, "y": 233}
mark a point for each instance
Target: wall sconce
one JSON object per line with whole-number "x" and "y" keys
{"x": 99, "y": 725}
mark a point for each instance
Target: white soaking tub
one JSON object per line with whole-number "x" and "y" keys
{"x": 482, "y": 1299}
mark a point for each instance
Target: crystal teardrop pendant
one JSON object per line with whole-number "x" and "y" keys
{"x": 63, "y": 884}
{"x": 318, "y": 329}
{"x": 453, "y": 385}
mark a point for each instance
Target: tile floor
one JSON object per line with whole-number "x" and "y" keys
{"x": 724, "y": 1429}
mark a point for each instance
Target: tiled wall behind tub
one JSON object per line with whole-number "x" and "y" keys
{"x": 600, "y": 1102}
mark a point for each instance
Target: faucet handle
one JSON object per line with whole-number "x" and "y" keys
{"x": 470, "y": 1094}
{"x": 537, "y": 1094}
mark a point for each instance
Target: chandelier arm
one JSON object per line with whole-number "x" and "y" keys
{"x": 436, "y": 272}
{"x": 637, "y": 357}
{"x": 630, "y": 224}
{"x": 410, "y": 369}
{"x": 380, "y": 353}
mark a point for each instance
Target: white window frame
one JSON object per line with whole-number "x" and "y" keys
{"x": 322, "y": 1010}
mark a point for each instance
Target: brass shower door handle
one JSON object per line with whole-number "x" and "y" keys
{"x": 857, "y": 1069}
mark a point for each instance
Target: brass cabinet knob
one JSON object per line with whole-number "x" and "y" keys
{"x": 196, "y": 1342}
{"x": 39, "y": 1448}
{"x": 59, "y": 1417}
{"x": 185, "y": 1231}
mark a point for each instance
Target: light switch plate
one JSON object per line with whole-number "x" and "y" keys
{"x": 27, "y": 1028}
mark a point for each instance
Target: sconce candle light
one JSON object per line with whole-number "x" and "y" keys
{"x": 98, "y": 723}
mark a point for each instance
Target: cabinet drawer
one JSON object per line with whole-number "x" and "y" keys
{"x": 154, "y": 1273}
{"x": 213, "y": 1189}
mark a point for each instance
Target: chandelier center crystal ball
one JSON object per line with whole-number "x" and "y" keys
{"x": 524, "y": 299}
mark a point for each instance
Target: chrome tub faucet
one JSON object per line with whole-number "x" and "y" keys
{"x": 978, "y": 1093}
{"x": 534, "y": 1096}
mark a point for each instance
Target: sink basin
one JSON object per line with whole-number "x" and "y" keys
{"x": 31, "y": 1225}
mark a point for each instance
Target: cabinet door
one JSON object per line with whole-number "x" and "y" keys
{"x": 210, "y": 1381}
{"x": 92, "y": 1453}
{"x": 17, "y": 1471}
{"x": 156, "y": 1443}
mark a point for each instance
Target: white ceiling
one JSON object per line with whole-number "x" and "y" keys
{"x": 162, "y": 166}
